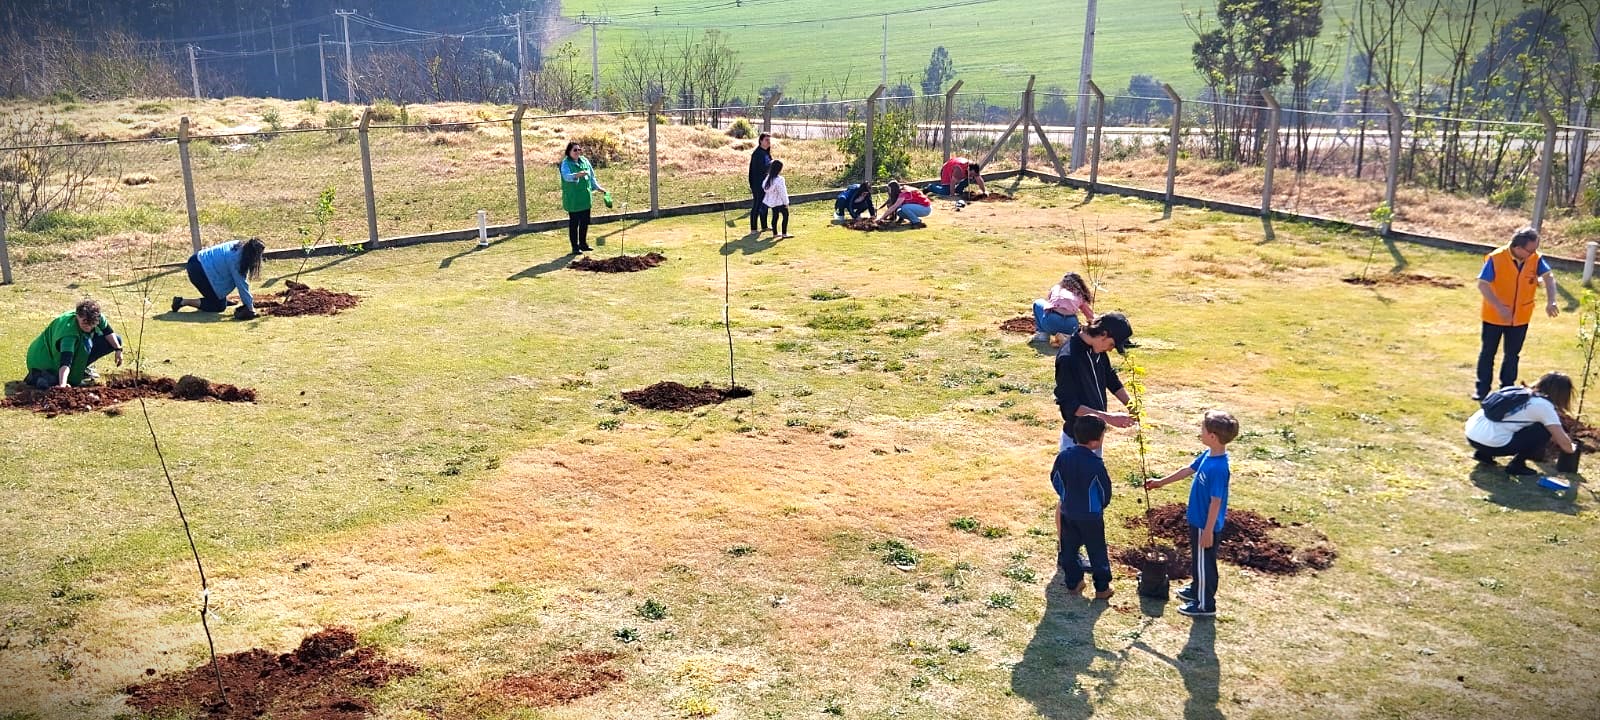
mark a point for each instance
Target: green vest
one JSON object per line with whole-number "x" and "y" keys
{"x": 575, "y": 195}
{"x": 60, "y": 334}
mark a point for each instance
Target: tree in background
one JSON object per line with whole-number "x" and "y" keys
{"x": 940, "y": 70}
{"x": 1244, "y": 48}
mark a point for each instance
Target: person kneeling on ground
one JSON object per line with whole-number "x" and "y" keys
{"x": 219, "y": 270}
{"x": 1084, "y": 490}
{"x": 856, "y": 199}
{"x": 907, "y": 203}
{"x": 62, "y": 354}
{"x": 1057, "y": 312}
{"x": 956, "y": 175}
{"x": 1523, "y": 429}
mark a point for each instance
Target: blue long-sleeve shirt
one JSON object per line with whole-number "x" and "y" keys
{"x": 1081, "y": 481}
{"x": 221, "y": 265}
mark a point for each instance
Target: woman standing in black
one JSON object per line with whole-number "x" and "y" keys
{"x": 760, "y": 159}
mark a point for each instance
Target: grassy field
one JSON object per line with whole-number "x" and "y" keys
{"x": 449, "y": 470}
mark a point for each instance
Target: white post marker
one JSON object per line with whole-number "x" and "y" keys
{"x": 1588, "y": 261}
{"x": 483, "y": 228}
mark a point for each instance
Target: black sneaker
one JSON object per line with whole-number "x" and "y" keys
{"x": 1194, "y": 610}
{"x": 1484, "y": 457}
{"x": 1186, "y": 594}
{"x": 177, "y": 302}
{"x": 1518, "y": 467}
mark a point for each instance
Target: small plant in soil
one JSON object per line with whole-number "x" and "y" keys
{"x": 741, "y": 550}
{"x": 1588, "y": 341}
{"x": 896, "y": 553}
{"x": 965, "y": 524}
{"x": 626, "y": 635}
{"x": 959, "y": 647}
{"x": 310, "y": 237}
{"x": 652, "y": 609}
{"x": 1000, "y": 601}
{"x": 1382, "y": 216}
{"x": 994, "y": 532}
{"x": 1020, "y": 573}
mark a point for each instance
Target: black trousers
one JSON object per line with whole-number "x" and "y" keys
{"x": 1205, "y": 569}
{"x": 45, "y": 378}
{"x": 1526, "y": 444}
{"x": 1087, "y": 532}
{"x": 578, "y": 230}
{"x": 209, "y": 302}
{"x": 780, "y": 212}
{"x": 758, "y": 209}
{"x": 1493, "y": 337}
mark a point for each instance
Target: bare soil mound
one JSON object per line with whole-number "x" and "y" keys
{"x": 675, "y": 396}
{"x": 990, "y": 197}
{"x": 121, "y": 388}
{"x": 326, "y": 678}
{"x": 578, "y": 675}
{"x": 1019, "y": 325}
{"x": 621, "y": 263}
{"x": 298, "y": 299}
{"x": 1247, "y": 539}
{"x": 868, "y": 225}
{"x": 1584, "y": 435}
{"x": 1403, "y": 279}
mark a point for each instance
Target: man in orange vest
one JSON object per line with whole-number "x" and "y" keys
{"x": 1509, "y": 285}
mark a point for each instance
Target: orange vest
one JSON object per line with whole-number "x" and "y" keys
{"x": 1515, "y": 287}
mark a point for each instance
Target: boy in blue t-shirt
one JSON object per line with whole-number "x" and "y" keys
{"x": 1208, "y": 504}
{"x": 1084, "y": 489}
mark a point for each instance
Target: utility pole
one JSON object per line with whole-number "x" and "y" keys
{"x": 594, "y": 51}
{"x": 884, "y": 58}
{"x": 1080, "y": 132}
{"x": 349, "y": 63}
{"x": 322, "y": 66}
{"x": 522, "y": 63}
{"x": 277, "y": 79}
{"x": 194, "y": 73}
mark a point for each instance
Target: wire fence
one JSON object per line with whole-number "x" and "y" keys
{"x": 421, "y": 173}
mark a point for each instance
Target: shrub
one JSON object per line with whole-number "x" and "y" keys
{"x": 741, "y": 129}
{"x": 1589, "y": 228}
{"x": 309, "y": 105}
{"x": 1512, "y": 198}
{"x": 602, "y": 148}
{"x": 273, "y": 119}
{"x": 385, "y": 111}
{"x": 339, "y": 118}
{"x": 892, "y": 134}
{"x": 151, "y": 108}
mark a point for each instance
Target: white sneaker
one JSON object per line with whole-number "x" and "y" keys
{"x": 838, "y": 216}
{"x": 1038, "y": 337}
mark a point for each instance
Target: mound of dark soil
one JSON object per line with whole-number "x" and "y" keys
{"x": 578, "y": 675}
{"x": 327, "y": 678}
{"x": 991, "y": 197}
{"x": 621, "y": 263}
{"x": 674, "y": 396}
{"x": 868, "y": 225}
{"x": 1139, "y": 558}
{"x": 298, "y": 299}
{"x": 1404, "y": 279}
{"x": 1019, "y": 325}
{"x": 1585, "y": 436}
{"x": 1246, "y": 540}
{"x": 121, "y": 388}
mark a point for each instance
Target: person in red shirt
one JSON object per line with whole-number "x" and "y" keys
{"x": 956, "y": 174}
{"x": 906, "y": 202}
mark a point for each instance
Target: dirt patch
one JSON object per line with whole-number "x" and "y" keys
{"x": 1247, "y": 539}
{"x": 1019, "y": 325}
{"x": 1584, "y": 435}
{"x": 988, "y": 198}
{"x": 868, "y": 225}
{"x": 1140, "y": 558}
{"x": 674, "y": 396}
{"x": 620, "y": 263}
{"x": 326, "y": 678}
{"x": 121, "y": 388}
{"x": 300, "y": 299}
{"x": 578, "y": 675}
{"x": 1404, "y": 279}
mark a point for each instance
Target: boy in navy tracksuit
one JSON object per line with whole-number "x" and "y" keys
{"x": 1208, "y": 504}
{"x": 1084, "y": 488}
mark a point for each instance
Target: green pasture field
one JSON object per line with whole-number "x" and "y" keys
{"x": 448, "y": 469}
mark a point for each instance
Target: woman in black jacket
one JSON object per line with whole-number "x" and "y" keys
{"x": 760, "y": 159}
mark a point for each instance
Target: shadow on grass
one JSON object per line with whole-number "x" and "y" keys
{"x": 1060, "y": 653}
{"x": 750, "y": 244}
{"x": 337, "y": 260}
{"x": 1400, "y": 262}
{"x": 1197, "y": 663}
{"x": 195, "y": 316}
{"x": 1522, "y": 492}
{"x": 545, "y": 268}
{"x": 150, "y": 278}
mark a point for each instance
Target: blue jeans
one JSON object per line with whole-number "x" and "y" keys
{"x": 914, "y": 213}
{"x": 1051, "y": 323}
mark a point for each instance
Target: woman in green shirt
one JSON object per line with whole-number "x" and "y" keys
{"x": 577, "y": 182}
{"x": 61, "y": 355}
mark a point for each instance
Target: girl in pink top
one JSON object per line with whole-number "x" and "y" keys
{"x": 1057, "y": 312}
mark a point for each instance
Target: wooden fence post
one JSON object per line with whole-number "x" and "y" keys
{"x": 655, "y": 188}
{"x": 1541, "y": 197}
{"x": 1172, "y": 143}
{"x": 188, "y": 182}
{"x": 5, "y": 253}
{"x": 522, "y": 184}
{"x": 872, "y": 115}
{"x": 1099, "y": 130}
{"x": 766, "y": 111}
{"x": 1273, "y": 111}
{"x": 949, "y": 110}
{"x": 1397, "y": 121}
{"x": 1027, "y": 120}
{"x": 366, "y": 179}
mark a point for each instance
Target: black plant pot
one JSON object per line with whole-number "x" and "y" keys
{"x": 1153, "y": 581}
{"x": 1568, "y": 462}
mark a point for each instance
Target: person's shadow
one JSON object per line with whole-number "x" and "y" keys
{"x": 1522, "y": 492}
{"x": 544, "y": 268}
{"x": 1060, "y": 653}
{"x": 1197, "y": 663}
{"x": 750, "y": 244}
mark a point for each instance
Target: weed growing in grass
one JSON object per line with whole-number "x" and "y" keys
{"x": 652, "y": 609}
{"x": 956, "y": 576}
{"x": 830, "y": 294}
{"x": 1000, "y": 601}
{"x": 994, "y": 533}
{"x": 840, "y": 319}
{"x": 309, "y": 106}
{"x": 741, "y": 550}
{"x": 1020, "y": 573}
{"x": 896, "y": 553}
{"x": 959, "y": 647}
{"x": 840, "y": 433}
{"x": 965, "y": 524}
{"x": 833, "y": 706}
{"x": 608, "y": 424}
{"x": 696, "y": 706}
{"x": 626, "y": 635}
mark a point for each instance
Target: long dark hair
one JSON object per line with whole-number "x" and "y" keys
{"x": 250, "y": 257}
{"x": 894, "y": 191}
{"x": 1073, "y": 283}
{"x": 1557, "y": 388}
{"x": 567, "y": 153}
{"x": 772, "y": 171}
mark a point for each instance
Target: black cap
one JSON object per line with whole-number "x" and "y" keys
{"x": 1116, "y": 325}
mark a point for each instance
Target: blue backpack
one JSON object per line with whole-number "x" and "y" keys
{"x": 1506, "y": 401}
